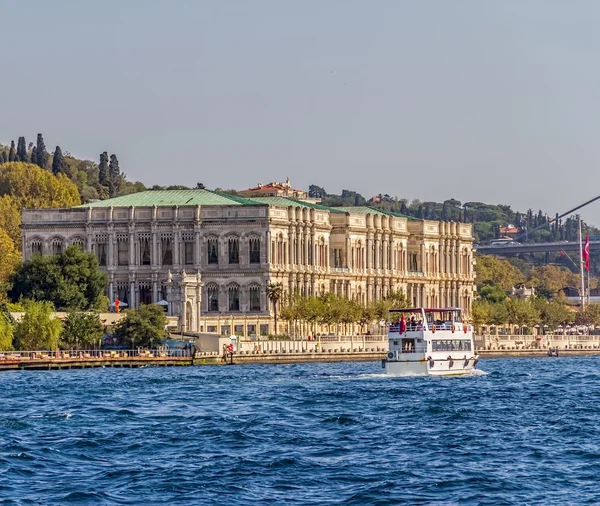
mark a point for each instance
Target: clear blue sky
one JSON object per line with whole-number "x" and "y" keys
{"x": 467, "y": 99}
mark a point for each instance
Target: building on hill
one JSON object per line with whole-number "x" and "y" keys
{"x": 275, "y": 189}
{"x": 211, "y": 256}
{"x": 510, "y": 231}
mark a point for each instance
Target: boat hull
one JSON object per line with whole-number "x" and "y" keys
{"x": 445, "y": 367}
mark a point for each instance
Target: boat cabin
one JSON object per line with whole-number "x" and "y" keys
{"x": 422, "y": 319}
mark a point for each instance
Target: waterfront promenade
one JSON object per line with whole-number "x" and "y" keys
{"x": 326, "y": 349}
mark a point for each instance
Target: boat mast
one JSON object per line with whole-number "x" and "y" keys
{"x": 581, "y": 266}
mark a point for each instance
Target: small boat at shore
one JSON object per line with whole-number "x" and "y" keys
{"x": 429, "y": 342}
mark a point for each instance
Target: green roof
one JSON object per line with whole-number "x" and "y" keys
{"x": 172, "y": 198}
{"x": 286, "y": 202}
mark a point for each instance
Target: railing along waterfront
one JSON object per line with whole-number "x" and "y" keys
{"x": 323, "y": 344}
{"x": 506, "y": 342}
{"x": 95, "y": 354}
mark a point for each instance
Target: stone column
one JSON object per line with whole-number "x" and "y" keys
{"x": 110, "y": 261}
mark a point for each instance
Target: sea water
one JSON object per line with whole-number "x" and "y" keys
{"x": 520, "y": 431}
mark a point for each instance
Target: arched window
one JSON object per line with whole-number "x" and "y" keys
{"x": 212, "y": 295}
{"x": 213, "y": 250}
{"x": 123, "y": 249}
{"x": 254, "y": 294}
{"x": 234, "y": 297}
{"x": 56, "y": 246}
{"x": 77, "y": 241}
{"x": 145, "y": 246}
{"x": 234, "y": 249}
{"x": 36, "y": 247}
{"x": 166, "y": 244}
{"x": 254, "y": 249}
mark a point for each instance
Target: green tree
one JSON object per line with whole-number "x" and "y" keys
{"x": 6, "y": 332}
{"x": 41, "y": 153}
{"x": 59, "y": 165}
{"x": 12, "y": 154}
{"x": 480, "y": 313}
{"x": 22, "y": 150}
{"x": 492, "y": 293}
{"x": 71, "y": 280}
{"x": 4, "y": 157}
{"x": 82, "y": 330}
{"x": 274, "y": 293}
{"x": 495, "y": 271}
{"x": 143, "y": 328}
{"x": 33, "y": 157}
{"x": 114, "y": 174}
{"x": 103, "y": 170}
{"x": 37, "y": 330}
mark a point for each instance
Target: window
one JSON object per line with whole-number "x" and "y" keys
{"x": 188, "y": 253}
{"x": 234, "y": 298}
{"x": 36, "y": 247}
{"x": 254, "y": 298}
{"x": 56, "y": 246}
{"x": 101, "y": 249}
{"x": 167, "y": 251}
{"x": 213, "y": 250}
{"x": 212, "y": 292}
{"x": 412, "y": 258}
{"x": 145, "y": 251}
{"x": 234, "y": 250}
{"x": 254, "y": 250}
{"x": 78, "y": 241}
{"x": 123, "y": 252}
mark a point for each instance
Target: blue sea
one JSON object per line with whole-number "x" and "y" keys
{"x": 521, "y": 431}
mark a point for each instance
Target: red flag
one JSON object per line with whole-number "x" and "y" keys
{"x": 402, "y": 325}
{"x": 586, "y": 252}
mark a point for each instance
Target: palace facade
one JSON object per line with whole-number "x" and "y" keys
{"x": 203, "y": 253}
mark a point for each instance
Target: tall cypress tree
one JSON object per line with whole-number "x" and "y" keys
{"x": 33, "y": 155}
{"x": 114, "y": 174}
{"x": 103, "y": 170}
{"x": 12, "y": 154}
{"x": 22, "y": 150}
{"x": 59, "y": 165}
{"x": 41, "y": 153}
{"x": 3, "y": 157}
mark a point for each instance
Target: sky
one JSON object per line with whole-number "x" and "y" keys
{"x": 496, "y": 102}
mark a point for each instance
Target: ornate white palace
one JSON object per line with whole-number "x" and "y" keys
{"x": 208, "y": 254}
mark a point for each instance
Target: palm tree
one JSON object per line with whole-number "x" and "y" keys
{"x": 274, "y": 293}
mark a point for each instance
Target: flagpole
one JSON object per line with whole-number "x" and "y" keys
{"x": 581, "y": 266}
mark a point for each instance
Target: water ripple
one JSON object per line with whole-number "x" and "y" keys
{"x": 519, "y": 432}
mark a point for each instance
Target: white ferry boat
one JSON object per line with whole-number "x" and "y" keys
{"x": 429, "y": 341}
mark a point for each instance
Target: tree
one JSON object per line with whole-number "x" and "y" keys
{"x": 22, "y": 150}
{"x": 82, "y": 330}
{"x": 142, "y": 328}
{"x": 494, "y": 271}
{"x": 480, "y": 313}
{"x": 71, "y": 280}
{"x": 59, "y": 166}
{"x": 114, "y": 175}
{"x": 6, "y": 330}
{"x": 33, "y": 158}
{"x": 316, "y": 192}
{"x": 274, "y": 293}
{"x": 4, "y": 157}
{"x": 492, "y": 293}
{"x": 200, "y": 186}
{"x": 9, "y": 259}
{"x": 41, "y": 153}
{"x": 37, "y": 330}
{"x": 12, "y": 154}
{"x": 103, "y": 170}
